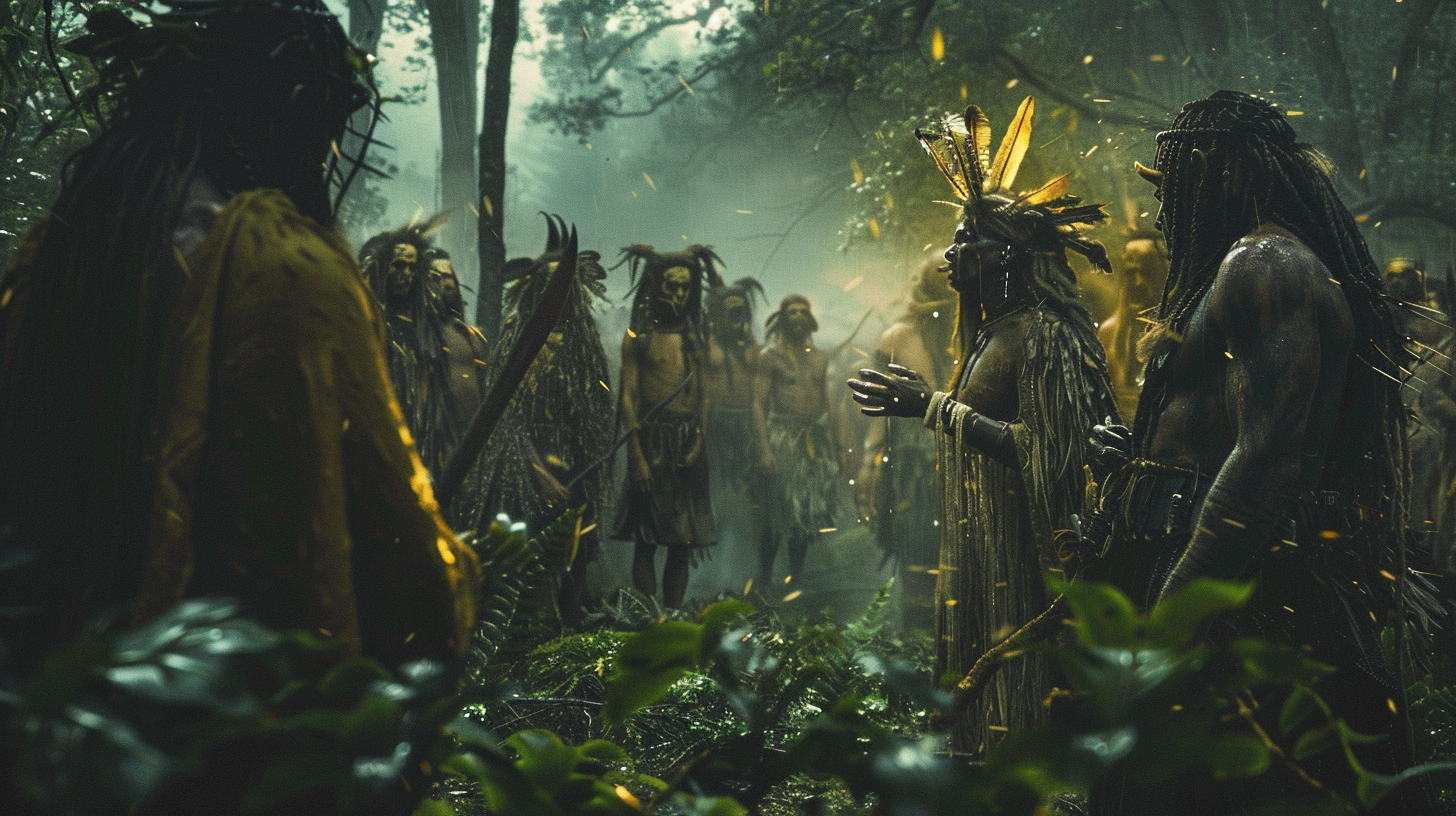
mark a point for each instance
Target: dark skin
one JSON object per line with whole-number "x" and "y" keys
{"x": 989, "y": 383}
{"x": 464, "y": 344}
{"x": 653, "y": 365}
{"x": 1270, "y": 342}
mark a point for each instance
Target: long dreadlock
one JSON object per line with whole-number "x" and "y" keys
{"x": 1233, "y": 138}
{"x": 564, "y": 407}
{"x": 648, "y": 268}
{"x": 733, "y": 329}
{"x": 208, "y": 90}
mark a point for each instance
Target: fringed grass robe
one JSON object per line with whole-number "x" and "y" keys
{"x": 998, "y": 523}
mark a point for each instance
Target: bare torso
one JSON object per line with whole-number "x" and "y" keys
{"x": 794, "y": 379}
{"x": 661, "y": 368}
{"x": 728, "y": 379}
{"x": 989, "y": 385}
{"x": 465, "y": 347}
{"x": 1274, "y": 378}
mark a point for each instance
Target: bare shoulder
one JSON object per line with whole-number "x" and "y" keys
{"x": 1270, "y": 266}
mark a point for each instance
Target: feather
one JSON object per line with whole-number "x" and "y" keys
{"x": 979, "y": 128}
{"x": 1051, "y": 191}
{"x": 926, "y": 140}
{"x": 1013, "y": 148}
{"x": 960, "y": 159}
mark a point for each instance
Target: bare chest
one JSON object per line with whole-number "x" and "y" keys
{"x": 990, "y": 381}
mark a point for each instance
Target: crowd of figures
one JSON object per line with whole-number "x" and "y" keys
{"x": 236, "y": 410}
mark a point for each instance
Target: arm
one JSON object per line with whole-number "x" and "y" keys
{"x": 762, "y": 385}
{"x": 1280, "y": 316}
{"x": 903, "y": 392}
{"x": 637, "y": 470}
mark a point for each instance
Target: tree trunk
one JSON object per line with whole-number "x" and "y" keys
{"x": 455, "y": 41}
{"x": 505, "y": 19}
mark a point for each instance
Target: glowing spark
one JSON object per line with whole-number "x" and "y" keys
{"x": 792, "y": 595}
{"x": 1087, "y": 60}
{"x": 744, "y": 212}
{"x": 489, "y": 208}
{"x": 748, "y": 587}
{"x": 829, "y": 529}
{"x": 937, "y": 45}
{"x": 849, "y": 287}
{"x": 650, "y": 182}
{"x": 1294, "y": 113}
{"x": 1012, "y": 83}
{"x": 1156, "y": 58}
{"x": 686, "y": 86}
{"x": 875, "y": 228}
{"x": 858, "y": 173}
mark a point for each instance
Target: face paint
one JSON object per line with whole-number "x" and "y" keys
{"x": 402, "y": 269}
{"x": 676, "y": 283}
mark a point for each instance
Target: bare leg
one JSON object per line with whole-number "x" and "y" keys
{"x": 644, "y": 569}
{"x": 768, "y": 551}
{"x": 675, "y": 576}
{"x": 798, "y": 551}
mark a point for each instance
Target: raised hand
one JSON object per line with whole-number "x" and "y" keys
{"x": 902, "y": 392}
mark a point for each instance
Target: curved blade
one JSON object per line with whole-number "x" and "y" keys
{"x": 533, "y": 336}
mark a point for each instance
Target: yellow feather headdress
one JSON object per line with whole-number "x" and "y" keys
{"x": 962, "y": 151}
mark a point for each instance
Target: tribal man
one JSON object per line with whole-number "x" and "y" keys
{"x": 1140, "y": 279}
{"x": 897, "y": 487}
{"x": 1269, "y": 441}
{"x": 548, "y": 454}
{"x": 664, "y": 406}
{"x": 213, "y": 418}
{"x": 797, "y": 437}
{"x": 463, "y": 344}
{"x": 732, "y": 435}
{"x": 395, "y": 266}
{"x": 1012, "y": 430}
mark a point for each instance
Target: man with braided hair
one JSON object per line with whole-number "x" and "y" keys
{"x": 664, "y": 406}
{"x": 193, "y": 396}
{"x": 1269, "y": 441}
{"x": 1011, "y": 431}
{"x": 417, "y": 336}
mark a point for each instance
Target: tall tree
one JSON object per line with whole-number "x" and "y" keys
{"x": 455, "y": 43}
{"x": 505, "y": 20}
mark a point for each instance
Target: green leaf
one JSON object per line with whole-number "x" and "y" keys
{"x": 543, "y": 757}
{"x": 1238, "y": 755}
{"x": 605, "y": 751}
{"x": 1296, "y": 709}
{"x": 648, "y": 664}
{"x": 1315, "y": 742}
{"x": 1105, "y": 617}
{"x": 1175, "y": 620}
{"x": 434, "y": 807}
{"x": 1371, "y": 788}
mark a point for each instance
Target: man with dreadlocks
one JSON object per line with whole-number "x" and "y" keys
{"x": 1012, "y": 430}
{"x": 212, "y": 416}
{"x": 732, "y": 435}
{"x": 797, "y": 437}
{"x": 463, "y": 344}
{"x": 417, "y": 336}
{"x": 897, "y": 487}
{"x": 1269, "y": 441}
{"x": 664, "y": 406}
{"x": 547, "y": 456}
{"x": 1140, "y": 279}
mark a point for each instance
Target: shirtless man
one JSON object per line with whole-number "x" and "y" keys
{"x": 897, "y": 488}
{"x": 463, "y": 344}
{"x": 1140, "y": 280}
{"x": 797, "y": 437}
{"x": 732, "y": 435}
{"x": 666, "y": 503}
{"x": 1267, "y": 438}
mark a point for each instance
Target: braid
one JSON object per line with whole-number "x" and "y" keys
{"x": 1287, "y": 183}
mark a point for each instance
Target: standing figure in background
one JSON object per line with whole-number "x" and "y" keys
{"x": 1430, "y": 394}
{"x": 897, "y": 487}
{"x": 395, "y": 267}
{"x": 664, "y": 406}
{"x": 732, "y": 435}
{"x": 548, "y": 455}
{"x": 463, "y": 343}
{"x": 798, "y": 441}
{"x": 1140, "y": 280}
{"x": 1012, "y": 431}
